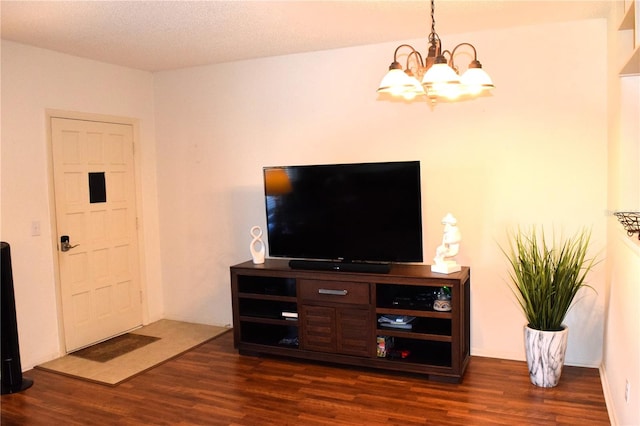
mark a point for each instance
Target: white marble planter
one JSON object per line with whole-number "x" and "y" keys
{"x": 545, "y": 352}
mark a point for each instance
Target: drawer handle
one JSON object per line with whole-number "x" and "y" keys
{"x": 332, "y": 292}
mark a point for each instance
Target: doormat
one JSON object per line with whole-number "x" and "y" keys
{"x": 115, "y": 347}
{"x": 173, "y": 339}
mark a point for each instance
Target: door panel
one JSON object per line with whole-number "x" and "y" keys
{"x": 318, "y": 329}
{"x": 96, "y": 208}
{"x": 355, "y": 331}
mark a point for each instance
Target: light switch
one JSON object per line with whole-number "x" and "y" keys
{"x": 35, "y": 228}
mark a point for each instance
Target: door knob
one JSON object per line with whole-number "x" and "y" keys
{"x": 65, "y": 245}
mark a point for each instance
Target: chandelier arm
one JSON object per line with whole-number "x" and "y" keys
{"x": 395, "y": 54}
{"x": 475, "y": 54}
{"x": 450, "y": 60}
{"x": 418, "y": 58}
{"x": 453, "y": 52}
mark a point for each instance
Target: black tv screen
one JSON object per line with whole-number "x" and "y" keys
{"x": 366, "y": 212}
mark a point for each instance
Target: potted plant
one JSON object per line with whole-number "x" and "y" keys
{"x": 545, "y": 278}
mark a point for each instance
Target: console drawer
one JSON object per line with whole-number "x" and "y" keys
{"x": 334, "y": 291}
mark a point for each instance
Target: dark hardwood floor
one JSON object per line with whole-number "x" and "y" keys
{"x": 213, "y": 385}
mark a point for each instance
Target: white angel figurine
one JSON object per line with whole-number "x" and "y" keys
{"x": 444, "y": 262}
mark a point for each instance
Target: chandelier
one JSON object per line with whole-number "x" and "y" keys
{"x": 436, "y": 77}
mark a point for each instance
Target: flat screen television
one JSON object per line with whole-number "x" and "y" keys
{"x": 355, "y": 217}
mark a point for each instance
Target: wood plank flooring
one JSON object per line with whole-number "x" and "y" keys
{"x": 213, "y": 385}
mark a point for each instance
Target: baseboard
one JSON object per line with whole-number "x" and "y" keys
{"x": 608, "y": 400}
{"x": 499, "y": 355}
{"x": 519, "y": 356}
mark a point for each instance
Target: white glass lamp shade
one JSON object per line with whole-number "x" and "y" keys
{"x": 442, "y": 80}
{"x": 476, "y": 80}
{"x": 415, "y": 90}
{"x": 397, "y": 83}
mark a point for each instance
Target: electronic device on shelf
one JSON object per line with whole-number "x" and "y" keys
{"x": 345, "y": 217}
{"x": 402, "y": 322}
{"x": 419, "y": 301}
{"x": 290, "y": 316}
{"x": 395, "y": 319}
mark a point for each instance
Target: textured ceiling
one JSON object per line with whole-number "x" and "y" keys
{"x": 162, "y": 35}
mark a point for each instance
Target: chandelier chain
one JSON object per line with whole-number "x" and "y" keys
{"x": 433, "y": 19}
{"x": 433, "y": 37}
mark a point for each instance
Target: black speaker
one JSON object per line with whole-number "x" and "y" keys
{"x": 12, "y": 380}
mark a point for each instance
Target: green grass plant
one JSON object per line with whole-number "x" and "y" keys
{"x": 547, "y": 275}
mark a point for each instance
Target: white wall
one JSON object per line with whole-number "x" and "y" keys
{"x": 534, "y": 153}
{"x": 34, "y": 80}
{"x": 621, "y": 355}
{"x": 621, "y": 363}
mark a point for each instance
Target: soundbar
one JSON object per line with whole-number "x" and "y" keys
{"x": 322, "y": 265}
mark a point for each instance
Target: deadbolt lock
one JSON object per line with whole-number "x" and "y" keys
{"x": 65, "y": 245}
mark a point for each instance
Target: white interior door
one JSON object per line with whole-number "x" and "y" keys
{"x": 94, "y": 188}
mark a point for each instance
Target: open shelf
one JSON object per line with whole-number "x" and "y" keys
{"x": 265, "y": 308}
{"x": 270, "y": 334}
{"x": 267, "y": 286}
{"x": 406, "y": 297}
{"x": 421, "y": 328}
{"x": 421, "y": 352}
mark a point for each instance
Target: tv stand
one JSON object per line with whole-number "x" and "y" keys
{"x": 335, "y": 316}
{"x": 322, "y": 265}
